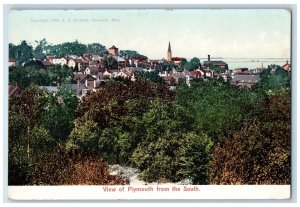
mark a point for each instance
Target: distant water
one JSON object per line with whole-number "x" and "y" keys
{"x": 251, "y": 63}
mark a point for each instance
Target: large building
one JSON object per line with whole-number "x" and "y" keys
{"x": 113, "y": 51}
{"x": 169, "y": 55}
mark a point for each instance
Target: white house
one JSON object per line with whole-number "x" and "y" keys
{"x": 56, "y": 61}
{"x": 63, "y": 61}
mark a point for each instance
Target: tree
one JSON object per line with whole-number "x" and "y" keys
{"x": 12, "y": 51}
{"x": 169, "y": 150}
{"x": 259, "y": 153}
{"x": 110, "y": 63}
{"x": 193, "y": 64}
{"x": 21, "y": 52}
{"x": 21, "y": 76}
{"x": 32, "y": 103}
{"x": 219, "y": 70}
{"x": 67, "y": 48}
{"x": 60, "y": 74}
{"x": 62, "y": 107}
{"x": 120, "y": 106}
{"x": 273, "y": 78}
{"x": 37, "y": 64}
{"x": 131, "y": 54}
{"x": 38, "y": 53}
{"x": 97, "y": 49}
{"x": 218, "y": 107}
{"x": 152, "y": 76}
{"x": 27, "y": 138}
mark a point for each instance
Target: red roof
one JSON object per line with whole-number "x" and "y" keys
{"x": 177, "y": 58}
{"x": 46, "y": 63}
{"x": 139, "y": 58}
{"x": 286, "y": 67}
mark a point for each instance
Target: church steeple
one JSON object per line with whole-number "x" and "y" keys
{"x": 169, "y": 55}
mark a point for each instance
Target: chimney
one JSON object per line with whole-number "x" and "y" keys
{"x": 78, "y": 83}
{"x": 208, "y": 58}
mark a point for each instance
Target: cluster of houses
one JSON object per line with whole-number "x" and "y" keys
{"x": 90, "y": 70}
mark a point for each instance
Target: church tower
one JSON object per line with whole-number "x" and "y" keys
{"x": 169, "y": 56}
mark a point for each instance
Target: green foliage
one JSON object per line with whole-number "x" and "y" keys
{"x": 38, "y": 52}
{"x": 219, "y": 70}
{"x": 152, "y": 76}
{"x": 96, "y": 49}
{"x": 165, "y": 65}
{"x": 36, "y": 120}
{"x": 169, "y": 151}
{"x": 67, "y": 48}
{"x": 218, "y": 108}
{"x": 193, "y": 64}
{"x": 118, "y": 112}
{"x": 273, "y": 78}
{"x": 110, "y": 62}
{"x": 62, "y": 107}
{"x": 259, "y": 153}
{"x": 21, "y": 53}
{"x": 131, "y": 54}
{"x": 37, "y": 64}
{"x": 33, "y": 75}
{"x": 85, "y": 136}
{"x": 193, "y": 157}
{"x": 174, "y": 157}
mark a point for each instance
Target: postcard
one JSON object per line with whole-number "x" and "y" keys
{"x": 149, "y": 104}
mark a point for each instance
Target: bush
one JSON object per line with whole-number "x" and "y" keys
{"x": 260, "y": 153}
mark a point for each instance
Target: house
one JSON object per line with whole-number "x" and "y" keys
{"x": 121, "y": 61}
{"x": 97, "y": 57}
{"x": 63, "y": 61}
{"x": 178, "y": 77}
{"x": 85, "y": 83}
{"x": 86, "y": 79}
{"x": 72, "y": 57}
{"x": 225, "y": 76}
{"x": 11, "y": 62}
{"x": 107, "y": 74}
{"x": 46, "y": 63}
{"x": 83, "y": 64}
{"x": 208, "y": 73}
{"x": 169, "y": 80}
{"x": 245, "y": 80}
{"x": 55, "y": 61}
{"x": 178, "y": 60}
{"x": 198, "y": 73}
{"x": 241, "y": 70}
{"x": 14, "y": 91}
{"x": 80, "y": 90}
{"x": 92, "y": 70}
{"x": 71, "y": 63}
{"x": 287, "y": 66}
{"x": 215, "y": 63}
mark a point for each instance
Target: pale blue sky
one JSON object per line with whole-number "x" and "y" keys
{"x": 193, "y": 33}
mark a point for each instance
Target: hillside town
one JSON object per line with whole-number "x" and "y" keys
{"x": 90, "y": 70}
{"x": 86, "y": 115}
